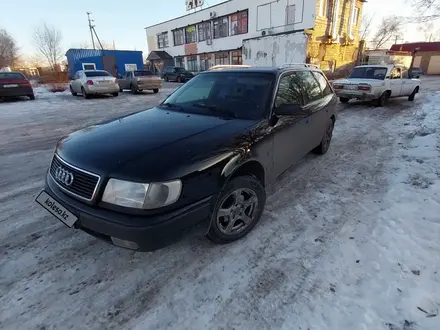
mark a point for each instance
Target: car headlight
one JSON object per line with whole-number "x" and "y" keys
{"x": 142, "y": 195}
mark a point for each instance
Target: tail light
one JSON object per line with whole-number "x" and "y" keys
{"x": 364, "y": 87}
{"x": 89, "y": 82}
{"x": 337, "y": 86}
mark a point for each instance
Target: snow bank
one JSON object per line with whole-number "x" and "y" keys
{"x": 384, "y": 272}
{"x": 43, "y": 92}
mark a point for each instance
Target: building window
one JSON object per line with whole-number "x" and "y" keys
{"x": 221, "y": 27}
{"x": 204, "y": 31}
{"x": 180, "y": 62}
{"x": 356, "y": 16}
{"x": 222, "y": 58}
{"x": 205, "y": 62}
{"x": 325, "y": 8}
{"x": 162, "y": 40}
{"x": 236, "y": 57}
{"x": 89, "y": 66}
{"x": 190, "y": 34}
{"x": 192, "y": 63}
{"x": 239, "y": 23}
{"x": 179, "y": 37}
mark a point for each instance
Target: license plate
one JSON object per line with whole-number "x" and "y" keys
{"x": 10, "y": 86}
{"x": 351, "y": 87}
{"x": 104, "y": 82}
{"x": 56, "y": 209}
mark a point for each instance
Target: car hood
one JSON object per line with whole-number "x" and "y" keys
{"x": 356, "y": 81}
{"x": 157, "y": 138}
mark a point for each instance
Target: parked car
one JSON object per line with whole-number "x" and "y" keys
{"x": 207, "y": 152}
{"x": 178, "y": 74}
{"x": 15, "y": 84}
{"x": 93, "y": 82}
{"x": 416, "y": 72}
{"x": 377, "y": 83}
{"x": 139, "y": 80}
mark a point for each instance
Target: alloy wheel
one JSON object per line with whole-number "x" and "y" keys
{"x": 237, "y": 211}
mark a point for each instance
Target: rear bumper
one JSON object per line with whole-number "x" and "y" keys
{"x": 148, "y": 233}
{"x": 356, "y": 95}
{"x": 155, "y": 85}
{"x": 16, "y": 91}
{"x": 101, "y": 89}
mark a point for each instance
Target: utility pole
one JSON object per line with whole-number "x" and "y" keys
{"x": 91, "y": 29}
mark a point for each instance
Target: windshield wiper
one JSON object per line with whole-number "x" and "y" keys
{"x": 215, "y": 108}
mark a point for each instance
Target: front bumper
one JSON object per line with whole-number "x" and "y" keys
{"x": 16, "y": 91}
{"x": 141, "y": 232}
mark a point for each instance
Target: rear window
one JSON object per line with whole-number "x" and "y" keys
{"x": 11, "y": 75}
{"x": 143, "y": 73}
{"x": 97, "y": 74}
{"x": 368, "y": 72}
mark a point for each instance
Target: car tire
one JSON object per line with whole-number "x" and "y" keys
{"x": 326, "y": 139}
{"x": 383, "y": 99}
{"x": 133, "y": 89}
{"x": 344, "y": 99}
{"x": 84, "y": 93}
{"x": 156, "y": 90}
{"x": 413, "y": 94}
{"x": 115, "y": 94}
{"x": 166, "y": 78}
{"x": 245, "y": 197}
{"x": 179, "y": 79}
{"x": 31, "y": 97}
{"x": 71, "y": 91}
{"x": 120, "y": 90}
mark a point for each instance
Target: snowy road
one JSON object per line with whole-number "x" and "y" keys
{"x": 350, "y": 240}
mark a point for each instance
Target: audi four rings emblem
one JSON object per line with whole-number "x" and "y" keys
{"x": 64, "y": 176}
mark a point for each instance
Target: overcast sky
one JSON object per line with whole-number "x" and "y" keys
{"x": 124, "y": 22}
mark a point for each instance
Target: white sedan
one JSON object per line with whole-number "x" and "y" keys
{"x": 93, "y": 82}
{"x": 376, "y": 83}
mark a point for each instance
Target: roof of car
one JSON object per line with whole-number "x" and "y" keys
{"x": 269, "y": 69}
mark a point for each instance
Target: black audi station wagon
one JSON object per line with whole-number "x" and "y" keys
{"x": 206, "y": 153}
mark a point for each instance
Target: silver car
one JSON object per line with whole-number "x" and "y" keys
{"x": 93, "y": 82}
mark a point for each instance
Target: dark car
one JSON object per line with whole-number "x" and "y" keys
{"x": 14, "y": 84}
{"x": 416, "y": 72}
{"x": 178, "y": 74}
{"x": 206, "y": 153}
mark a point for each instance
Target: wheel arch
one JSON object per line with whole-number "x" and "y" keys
{"x": 250, "y": 167}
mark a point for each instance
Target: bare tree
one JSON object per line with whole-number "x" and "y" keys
{"x": 428, "y": 10}
{"x": 389, "y": 28}
{"x": 105, "y": 45}
{"x": 367, "y": 20}
{"x": 8, "y": 49}
{"x": 48, "y": 43}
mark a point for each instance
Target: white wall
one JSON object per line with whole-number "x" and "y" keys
{"x": 275, "y": 50}
{"x": 301, "y": 16}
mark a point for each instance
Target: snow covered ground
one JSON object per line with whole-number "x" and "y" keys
{"x": 350, "y": 240}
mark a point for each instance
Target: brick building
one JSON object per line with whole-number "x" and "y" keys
{"x": 262, "y": 33}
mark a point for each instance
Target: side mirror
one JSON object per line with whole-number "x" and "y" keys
{"x": 287, "y": 109}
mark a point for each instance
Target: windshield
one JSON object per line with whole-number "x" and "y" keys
{"x": 244, "y": 95}
{"x": 143, "y": 73}
{"x": 369, "y": 73}
{"x": 181, "y": 70}
{"x": 97, "y": 74}
{"x": 11, "y": 75}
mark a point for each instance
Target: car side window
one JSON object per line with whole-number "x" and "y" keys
{"x": 289, "y": 92}
{"x": 311, "y": 89}
{"x": 396, "y": 73}
{"x": 325, "y": 87}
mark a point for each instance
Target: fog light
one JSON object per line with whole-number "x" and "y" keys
{"x": 125, "y": 244}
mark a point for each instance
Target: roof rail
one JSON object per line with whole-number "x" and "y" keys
{"x": 306, "y": 65}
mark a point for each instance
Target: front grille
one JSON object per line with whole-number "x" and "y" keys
{"x": 83, "y": 184}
